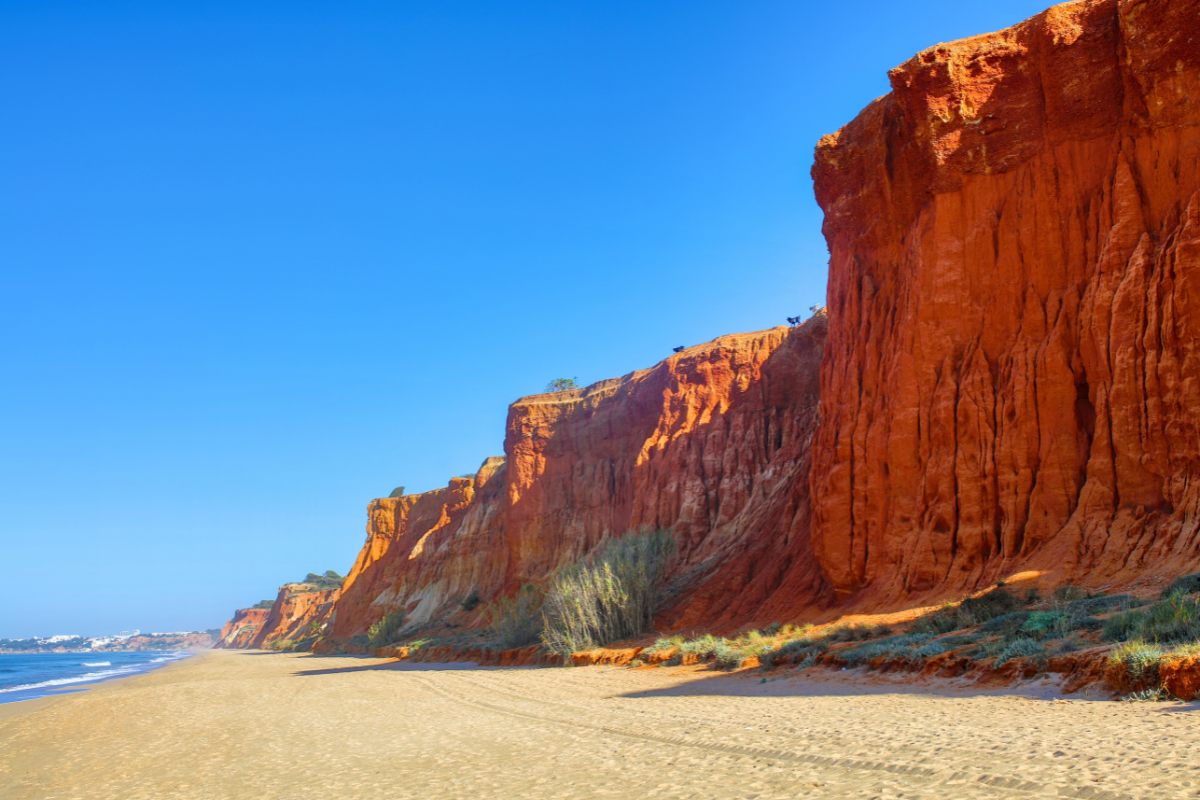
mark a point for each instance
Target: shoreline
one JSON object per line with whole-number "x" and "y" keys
{"x": 48, "y": 694}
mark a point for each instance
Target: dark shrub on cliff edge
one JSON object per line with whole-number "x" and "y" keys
{"x": 610, "y": 595}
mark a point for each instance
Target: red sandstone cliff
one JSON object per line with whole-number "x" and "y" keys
{"x": 1014, "y": 305}
{"x": 300, "y": 612}
{"x": 240, "y": 631}
{"x": 712, "y": 443}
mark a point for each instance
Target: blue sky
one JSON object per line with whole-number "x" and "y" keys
{"x": 260, "y": 263}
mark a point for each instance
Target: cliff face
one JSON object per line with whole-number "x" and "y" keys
{"x": 240, "y": 631}
{"x": 1014, "y": 304}
{"x": 427, "y": 552}
{"x": 713, "y": 443}
{"x": 299, "y": 612}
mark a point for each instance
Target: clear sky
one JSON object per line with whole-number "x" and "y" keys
{"x": 262, "y": 262}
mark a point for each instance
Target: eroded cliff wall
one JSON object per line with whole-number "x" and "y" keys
{"x": 1014, "y": 300}
{"x": 712, "y": 443}
{"x": 239, "y": 631}
{"x": 299, "y": 612}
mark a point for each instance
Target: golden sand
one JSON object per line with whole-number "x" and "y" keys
{"x": 233, "y": 725}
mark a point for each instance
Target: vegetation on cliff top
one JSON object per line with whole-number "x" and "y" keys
{"x": 330, "y": 580}
{"x": 562, "y": 384}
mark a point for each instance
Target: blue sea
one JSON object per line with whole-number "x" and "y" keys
{"x": 24, "y": 677}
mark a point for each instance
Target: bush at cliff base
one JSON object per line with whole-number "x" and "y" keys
{"x": 386, "y": 630}
{"x": 610, "y": 595}
{"x": 515, "y": 621}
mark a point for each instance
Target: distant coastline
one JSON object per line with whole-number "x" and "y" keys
{"x": 123, "y": 642}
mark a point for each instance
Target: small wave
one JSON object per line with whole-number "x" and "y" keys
{"x": 90, "y": 676}
{"x": 95, "y": 664}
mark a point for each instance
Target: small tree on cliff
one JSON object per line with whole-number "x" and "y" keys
{"x": 562, "y": 384}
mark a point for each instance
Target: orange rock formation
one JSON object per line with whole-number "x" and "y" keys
{"x": 299, "y": 612}
{"x": 1010, "y": 374}
{"x": 241, "y": 630}
{"x": 712, "y": 442}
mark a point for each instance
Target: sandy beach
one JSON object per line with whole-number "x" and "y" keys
{"x": 286, "y": 727}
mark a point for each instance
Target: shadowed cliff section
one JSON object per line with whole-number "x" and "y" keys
{"x": 1015, "y": 251}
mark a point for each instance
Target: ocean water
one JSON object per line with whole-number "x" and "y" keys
{"x": 24, "y": 677}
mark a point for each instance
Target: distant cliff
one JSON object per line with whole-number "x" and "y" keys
{"x": 298, "y": 616}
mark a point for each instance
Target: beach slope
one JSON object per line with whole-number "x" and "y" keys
{"x": 235, "y": 725}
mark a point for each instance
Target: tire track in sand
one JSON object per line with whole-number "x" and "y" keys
{"x": 953, "y": 779}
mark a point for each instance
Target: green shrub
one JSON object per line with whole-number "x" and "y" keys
{"x": 330, "y": 580}
{"x": 1122, "y": 627}
{"x": 471, "y": 602}
{"x": 1068, "y": 594}
{"x": 266, "y": 604}
{"x": 386, "y": 630}
{"x": 397, "y": 492}
{"x": 804, "y": 647}
{"x": 1173, "y": 620}
{"x": 952, "y": 642}
{"x": 943, "y": 620}
{"x": 976, "y": 610}
{"x": 701, "y": 647}
{"x": 727, "y": 656}
{"x": 562, "y": 384}
{"x": 1106, "y": 603}
{"x": 1138, "y": 660}
{"x": 857, "y": 633}
{"x": 516, "y": 621}
{"x": 1187, "y": 584}
{"x": 1017, "y": 648}
{"x": 1045, "y": 625}
{"x": 1006, "y": 624}
{"x": 904, "y": 646}
{"x": 930, "y": 650}
{"x": 662, "y": 644}
{"x": 971, "y": 612}
{"x": 608, "y": 596}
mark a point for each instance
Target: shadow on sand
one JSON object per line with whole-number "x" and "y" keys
{"x": 692, "y": 682}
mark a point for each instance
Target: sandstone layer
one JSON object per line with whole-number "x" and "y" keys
{"x": 1014, "y": 305}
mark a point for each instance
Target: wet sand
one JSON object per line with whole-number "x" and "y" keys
{"x": 284, "y": 727}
